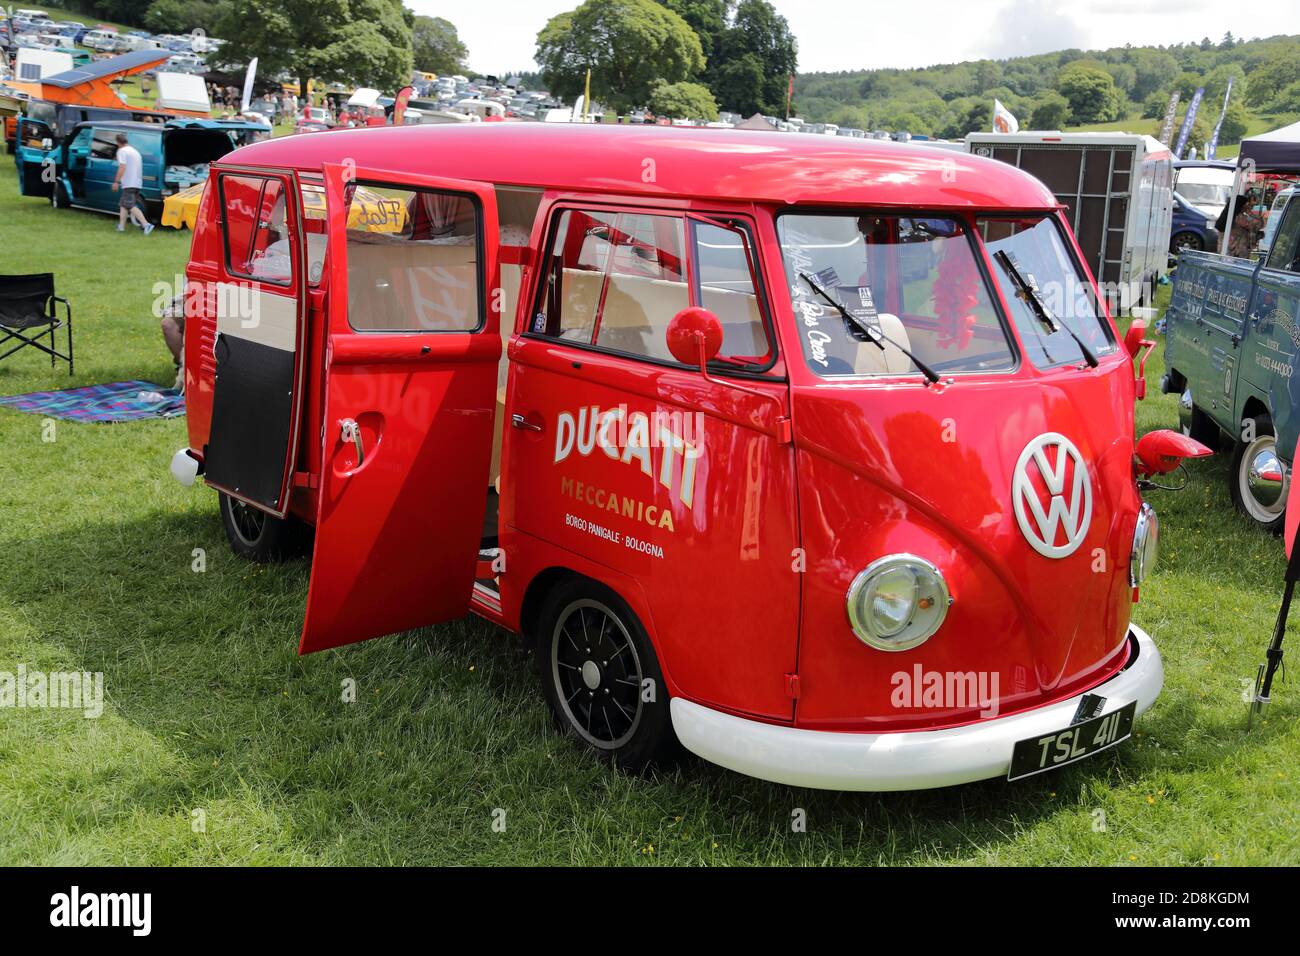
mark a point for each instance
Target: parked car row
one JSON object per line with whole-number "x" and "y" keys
{"x": 40, "y": 29}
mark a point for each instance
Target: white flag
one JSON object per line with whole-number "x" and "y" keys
{"x": 248, "y": 85}
{"x": 1003, "y": 121}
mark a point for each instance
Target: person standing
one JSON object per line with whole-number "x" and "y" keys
{"x": 129, "y": 179}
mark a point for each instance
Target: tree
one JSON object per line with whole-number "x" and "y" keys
{"x": 757, "y": 57}
{"x": 185, "y": 16}
{"x": 1216, "y": 82}
{"x": 1279, "y": 71}
{"x": 738, "y": 85}
{"x": 971, "y": 115}
{"x": 629, "y": 46}
{"x": 684, "y": 101}
{"x": 436, "y": 47}
{"x": 1051, "y": 111}
{"x": 1288, "y": 100}
{"x": 1155, "y": 105}
{"x": 1091, "y": 93}
{"x": 367, "y": 42}
{"x": 1235, "y": 123}
{"x": 1153, "y": 69}
{"x": 708, "y": 18}
{"x": 1124, "y": 75}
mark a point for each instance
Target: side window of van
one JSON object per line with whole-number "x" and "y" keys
{"x": 256, "y": 233}
{"x": 414, "y": 259}
{"x": 1284, "y": 253}
{"x": 315, "y": 226}
{"x": 103, "y": 144}
{"x": 615, "y": 279}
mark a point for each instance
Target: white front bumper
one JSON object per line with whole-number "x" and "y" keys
{"x": 905, "y": 760}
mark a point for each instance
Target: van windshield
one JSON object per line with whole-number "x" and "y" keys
{"x": 910, "y": 283}
{"x": 1035, "y": 250}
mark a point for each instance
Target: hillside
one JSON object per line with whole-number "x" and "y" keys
{"x": 1119, "y": 88}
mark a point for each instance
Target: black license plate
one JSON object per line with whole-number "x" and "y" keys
{"x": 1049, "y": 751}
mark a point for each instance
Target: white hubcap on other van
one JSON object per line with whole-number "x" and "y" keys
{"x": 1263, "y": 480}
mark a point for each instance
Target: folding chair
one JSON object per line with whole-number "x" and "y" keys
{"x": 27, "y": 303}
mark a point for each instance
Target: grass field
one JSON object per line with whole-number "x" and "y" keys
{"x": 209, "y": 708}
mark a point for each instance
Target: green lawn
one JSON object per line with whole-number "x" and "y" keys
{"x": 209, "y": 707}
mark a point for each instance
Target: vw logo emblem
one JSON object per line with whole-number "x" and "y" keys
{"x": 1052, "y": 495}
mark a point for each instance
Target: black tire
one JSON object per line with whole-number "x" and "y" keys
{"x": 1256, "y": 495}
{"x": 1186, "y": 240}
{"x": 258, "y": 536}
{"x": 59, "y": 197}
{"x": 594, "y": 682}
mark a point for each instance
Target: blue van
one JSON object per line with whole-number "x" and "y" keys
{"x": 1191, "y": 228}
{"x": 175, "y": 156}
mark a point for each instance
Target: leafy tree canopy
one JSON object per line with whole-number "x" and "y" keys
{"x": 684, "y": 101}
{"x": 436, "y": 47}
{"x": 367, "y": 42}
{"x": 629, "y": 46}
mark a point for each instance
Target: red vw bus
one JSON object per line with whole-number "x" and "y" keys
{"x": 814, "y": 455}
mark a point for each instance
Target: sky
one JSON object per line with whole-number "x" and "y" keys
{"x": 864, "y": 34}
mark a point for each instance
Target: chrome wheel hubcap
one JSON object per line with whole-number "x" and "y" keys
{"x": 1263, "y": 479}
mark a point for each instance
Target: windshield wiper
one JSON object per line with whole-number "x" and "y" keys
{"x": 1029, "y": 293}
{"x": 877, "y": 337}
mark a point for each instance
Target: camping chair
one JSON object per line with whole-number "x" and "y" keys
{"x": 27, "y": 303}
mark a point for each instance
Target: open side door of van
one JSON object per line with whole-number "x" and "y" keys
{"x": 259, "y": 347}
{"x": 410, "y": 389}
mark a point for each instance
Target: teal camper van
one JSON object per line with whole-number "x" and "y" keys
{"x": 83, "y": 162}
{"x": 1232, "y": 349}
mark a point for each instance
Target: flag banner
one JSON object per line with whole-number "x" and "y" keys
{"x": 1003, "y": 121}
{"x": 1171, "y": 113}
{"x": 1213, "y": 144}
{"x": 399, "y": 104}
{"x": 248, "y": 85}
{"x": 1188, "y": 120}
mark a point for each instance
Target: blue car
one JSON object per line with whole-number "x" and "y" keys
{"x": 1190, "y": 228}
{"x": 175, "y": 156}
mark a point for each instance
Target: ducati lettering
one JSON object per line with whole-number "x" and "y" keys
{"x": 636, "y": 439}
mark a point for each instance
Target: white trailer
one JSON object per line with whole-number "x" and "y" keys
{"x": 1118, "y": 188}
{"x": 34, "y": 64}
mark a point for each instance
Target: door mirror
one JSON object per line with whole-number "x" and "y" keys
{"x": 694, "y": 336}
{"x": 1133, "y": 338}
{"x": 1139, "y": 347}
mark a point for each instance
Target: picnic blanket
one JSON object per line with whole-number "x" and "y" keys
{"x": 114, "y": 402}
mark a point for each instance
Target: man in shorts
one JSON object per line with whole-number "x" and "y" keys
{"x": 130, "y": 178}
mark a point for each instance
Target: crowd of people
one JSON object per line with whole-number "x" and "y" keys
{"x": 276, "y": 106}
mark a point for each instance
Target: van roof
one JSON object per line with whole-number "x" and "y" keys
{"x": 670, "y": 161}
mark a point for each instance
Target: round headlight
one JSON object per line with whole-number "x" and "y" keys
{"x": 1145, "y": 545}
{"x": 897, "y": 602}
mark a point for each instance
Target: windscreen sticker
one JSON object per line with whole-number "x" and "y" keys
{"x": 860, "y": 303}
{"x": 828, "y": 278}
{"x": 807, "y": 307}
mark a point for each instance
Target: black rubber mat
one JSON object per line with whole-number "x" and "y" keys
{"x": 251, "y": 410}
